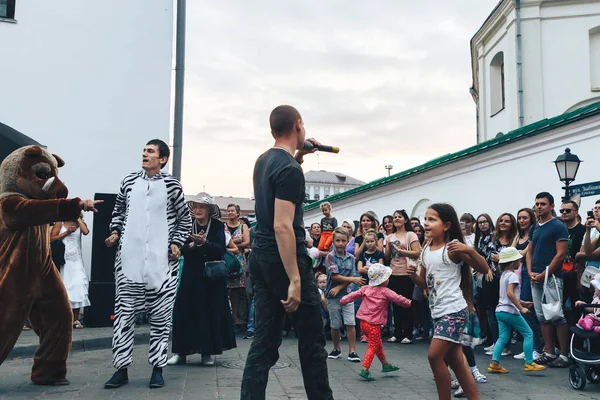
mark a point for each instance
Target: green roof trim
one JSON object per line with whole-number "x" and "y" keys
{"x": 524, "y": 132}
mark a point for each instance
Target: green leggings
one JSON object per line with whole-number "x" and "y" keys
{"x": 516, "y": 321}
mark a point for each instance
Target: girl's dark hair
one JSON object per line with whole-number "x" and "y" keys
{"x": 391, "y": 221}
{"x": 448, "y": 215}
{"x": 512, "y": 234}
{"x": 478, "y": 233}
{"x": 407, "y": 224}
{"x": 371, "y": 218}
{"x": 422, "y": 236}
{"x": 531, "y": 220}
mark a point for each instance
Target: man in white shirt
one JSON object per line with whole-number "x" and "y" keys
{"x": 151, "y": 221}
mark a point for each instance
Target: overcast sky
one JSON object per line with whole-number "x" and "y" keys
{"x": 385, "y": 80}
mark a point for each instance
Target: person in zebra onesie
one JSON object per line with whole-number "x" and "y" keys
{"x": 150, "y": 223}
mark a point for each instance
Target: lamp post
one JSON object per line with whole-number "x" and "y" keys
{"x": 567, "y": 165}
{"x": 389, "y": 169}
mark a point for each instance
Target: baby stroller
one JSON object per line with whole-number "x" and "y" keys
{"x": 587, "y": 360}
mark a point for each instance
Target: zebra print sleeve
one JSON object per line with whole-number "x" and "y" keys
{"x": 183, "y": 223}
{"x": 119, "y": 213}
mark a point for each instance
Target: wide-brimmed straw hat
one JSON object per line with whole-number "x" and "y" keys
{"x": 378, "y": 273}
{"x": 206, "y": 199}
{"x": 509, "y": 254}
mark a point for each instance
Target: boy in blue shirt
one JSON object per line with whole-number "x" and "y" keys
{"x": 341, "y": 273}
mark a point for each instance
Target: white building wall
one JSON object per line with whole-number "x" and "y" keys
{"x": 555, "y": 56}
{"x": 92, "y": 81}
{"x": 501, "y": 180}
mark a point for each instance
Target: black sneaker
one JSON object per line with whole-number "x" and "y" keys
{"x": 544, "y": 359}
{"x": 156, "y": 381}
{"x": 118, "y": 379}
{"x": 249, "y": 335}
{"x": 335, "y": 354}
{"x": 559, "y": 362}
{"x": 353, "y": 357}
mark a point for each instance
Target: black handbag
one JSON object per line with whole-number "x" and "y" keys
{"x": 57, "y": 249}
{"x": 224, "y": 269}
{"x": 216, "y": 270}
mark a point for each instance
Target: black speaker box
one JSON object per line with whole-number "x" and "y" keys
{"x": 102, "y": 308}
{"x": 103, "y": 258}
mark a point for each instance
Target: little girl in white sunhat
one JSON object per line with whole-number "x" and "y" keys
{"x": 508, "y": 313}
{"x": 373, "y": 313}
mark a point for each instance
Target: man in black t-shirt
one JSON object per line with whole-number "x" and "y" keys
{"x": 569, "y": 212}
{"x": 280, "y": 267}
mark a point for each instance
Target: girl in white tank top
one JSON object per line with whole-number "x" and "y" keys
{"x": 444, "y": 262}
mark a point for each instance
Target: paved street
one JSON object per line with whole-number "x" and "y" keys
{"x": 88, "y": 370}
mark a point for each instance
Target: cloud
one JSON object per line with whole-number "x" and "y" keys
{"x": 387, "y": 81}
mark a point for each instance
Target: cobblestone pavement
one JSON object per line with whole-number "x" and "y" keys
{"x": 88, "y": 370}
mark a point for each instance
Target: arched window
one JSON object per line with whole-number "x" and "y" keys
{"x": 317, "y": 197}
{"x": 499, "y": 134}
{"x": 497, "y": 83}
{"x": 420, "y": 208}
{"x": 595, "y": 59}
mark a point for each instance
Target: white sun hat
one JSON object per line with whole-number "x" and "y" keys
{"x": 509, "y": 254}
{"x": 378, "y": 273}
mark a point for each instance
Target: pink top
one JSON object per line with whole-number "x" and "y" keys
{"x": 398, "y": 263}
{"x": 374, "y": 306}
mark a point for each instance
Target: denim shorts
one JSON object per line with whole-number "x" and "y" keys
{"x": 537, "y": 290}
{"x": 450, "y": 327}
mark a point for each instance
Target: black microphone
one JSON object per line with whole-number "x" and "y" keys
{"x": 308, "y": 146}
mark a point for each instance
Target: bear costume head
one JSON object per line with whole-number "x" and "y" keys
{"x": 32, "y": 172}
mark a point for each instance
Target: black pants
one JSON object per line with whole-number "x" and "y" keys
{"x": 403, "y": 318}
{"x": 270, "y": 287}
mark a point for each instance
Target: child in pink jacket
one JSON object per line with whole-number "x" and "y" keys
{"x": 373, "y": 313}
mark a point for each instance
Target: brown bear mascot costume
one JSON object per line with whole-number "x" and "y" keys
{"x": 32, "y": 197}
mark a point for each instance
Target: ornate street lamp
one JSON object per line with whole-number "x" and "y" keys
{"x": 567, "y": 165}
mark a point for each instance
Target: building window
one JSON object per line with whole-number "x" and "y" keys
{"x": 595, "y": 59}
{"x": 497, "y": 83}
{"x": 307, "y": 196}
{"x": 317, "y": 197}
{"x": 7, "y": 9}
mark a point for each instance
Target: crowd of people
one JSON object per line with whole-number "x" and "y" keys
{"x": 455, "y": 282}
{"x": 534, "y": 258}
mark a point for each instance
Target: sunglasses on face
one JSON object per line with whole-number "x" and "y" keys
{"x": 565, "y": 211}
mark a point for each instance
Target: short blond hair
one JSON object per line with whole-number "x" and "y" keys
{"x": 341, "y": 231}
{"x": 326, "y": 204}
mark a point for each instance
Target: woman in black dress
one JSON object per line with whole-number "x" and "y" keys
{"x": 202, "y": 322}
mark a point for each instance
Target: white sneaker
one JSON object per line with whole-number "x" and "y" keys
{"x": 489, "y": 348}
{"x": 208, "y": 360}
{"x": 489, "y": 352}
{"x": 520, "y": 356}
{"x": 392, "y": 339}
{"x": 406, "y": 341}
{"x": 506, "y": 353}
{"x": 536, "y": 355}
{"x": 176, "y": 360}
{"x": 479, "y": 377}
